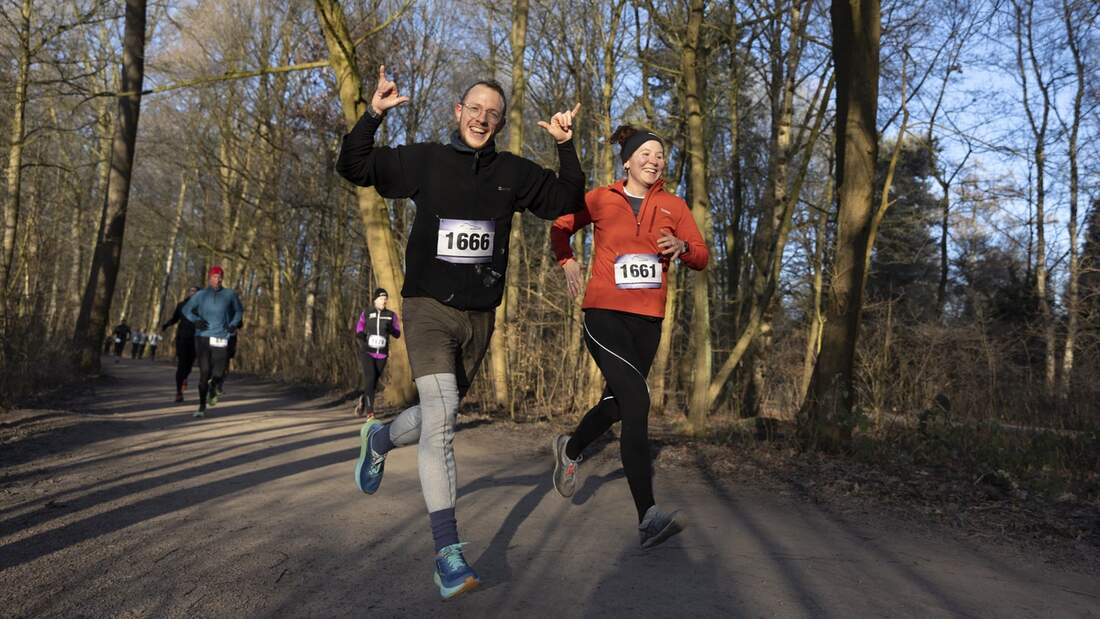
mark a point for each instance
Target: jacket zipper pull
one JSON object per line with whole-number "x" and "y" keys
{"x": 476, "y": 156}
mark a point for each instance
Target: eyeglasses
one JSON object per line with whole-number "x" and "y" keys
{"x": 475, "y": 110}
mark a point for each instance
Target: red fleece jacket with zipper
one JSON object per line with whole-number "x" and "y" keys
{"x": 617, "y": 232}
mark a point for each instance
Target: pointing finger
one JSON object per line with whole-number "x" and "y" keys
{"x": 381, "y": 72}
{"x": 576, "y": 108}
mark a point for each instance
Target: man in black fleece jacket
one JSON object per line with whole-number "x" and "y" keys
{"x": 465, "y": 194}
{"x": 185, "y": 343}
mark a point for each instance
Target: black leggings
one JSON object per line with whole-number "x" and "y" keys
{"x": 211, "y": 366}
{"x": 185, "y": 357}
{"x": 623, "y": 346}
{"x": 372, "y": 372}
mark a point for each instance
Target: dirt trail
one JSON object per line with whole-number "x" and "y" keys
{"x": 134, "y": 509}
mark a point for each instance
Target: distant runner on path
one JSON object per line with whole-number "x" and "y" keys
{"x": 216, "y": 312}
{"x": 136, "y": 340}
{"x": 122, "y": 335}
{"x": 185, "y": 343}
{"x": 154, "y": 340}
{"x": 373, "y": 332}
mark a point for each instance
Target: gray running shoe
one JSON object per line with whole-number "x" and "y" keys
{"x": 565, "y": 470}
{"x": 199, "y": 414}
{"x": 658, "y": 526}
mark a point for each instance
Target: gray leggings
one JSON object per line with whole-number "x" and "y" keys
{"x": 432, "y": 424}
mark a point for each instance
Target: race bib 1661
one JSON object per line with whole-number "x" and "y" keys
{"x": 638, "y": 271}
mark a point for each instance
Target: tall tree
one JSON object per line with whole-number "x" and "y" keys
{"x": 1030, "y": 71}
{"x": 826, "y": 417}
{"x": 505, "y": 339}
{"x": 692, "y": 59}
{"x": 95, "y": 308}
{"x": 1073, "y": 134}
{"x": 15, "y": 153}
{"x": 372, "y": 209}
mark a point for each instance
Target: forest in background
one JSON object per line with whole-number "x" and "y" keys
{"x": 980, "y": 214}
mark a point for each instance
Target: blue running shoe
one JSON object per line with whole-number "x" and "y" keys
{"x": 452, "y": 574}
{"x": 371, "y": 464}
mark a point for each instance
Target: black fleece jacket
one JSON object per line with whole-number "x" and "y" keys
{"x": 454, "y": 182}
{"x": 186, "y": 330}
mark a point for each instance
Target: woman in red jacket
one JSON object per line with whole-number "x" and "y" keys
{"x": 640, "y": 229}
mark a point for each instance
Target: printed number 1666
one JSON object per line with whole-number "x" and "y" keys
{"x": 471, "y": 241}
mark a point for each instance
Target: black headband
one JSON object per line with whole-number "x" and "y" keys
{"x": 633, "y": 142}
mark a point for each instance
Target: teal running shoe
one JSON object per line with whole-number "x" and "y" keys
{"x": 371, "y": 464}
{"x": 199, "y": 414}
{"x": 452, "y": 574}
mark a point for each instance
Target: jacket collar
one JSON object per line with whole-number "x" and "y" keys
{"x": 619, "y": 186}
{"x": 487, "y": 152}
{"x": 463, "y": 147}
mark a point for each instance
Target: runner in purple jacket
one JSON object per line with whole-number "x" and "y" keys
{"x": 374, "y": 330}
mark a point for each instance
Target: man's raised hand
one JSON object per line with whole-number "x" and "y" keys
{"x": 386, "y": 94}
{"x": 560, "y": 126}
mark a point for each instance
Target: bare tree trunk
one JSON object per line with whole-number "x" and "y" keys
{"x": 96, "y": 305}
{"x": 699, "y": 404}
{"x": 754, "y": 321}
{"x": 15, "y": 155}
{"x": 826, "y": 418}
{"x": 659, "y": 372}
{"x": 642, "y": 53}
{"x": 770, "y": 221}
{"x": 817, "y": 320}
{"x": 505, "y": 339}
{"x": 170, "y": 255}
{"x": 1072, "y": 292}
{"x": 276, "y": 296}
{"x": 1038, "y": 123}
{"x": 372, "y": 209}
{"x": 733, "y": 233}
{"x": 128, "y": 291}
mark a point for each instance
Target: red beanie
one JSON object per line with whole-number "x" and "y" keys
{"x": 216, "y": 270}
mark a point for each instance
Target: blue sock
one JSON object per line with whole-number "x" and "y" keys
{"x": 381, "y": 442}
{"x": 444, "y": 528}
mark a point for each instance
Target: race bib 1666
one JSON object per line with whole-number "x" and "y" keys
{"x": 465, "y": 241}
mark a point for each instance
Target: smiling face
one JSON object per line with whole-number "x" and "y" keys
{"x": 479, "y": 116}
{"x": 380, "y": 302}
{"x": 647, "y": 164}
